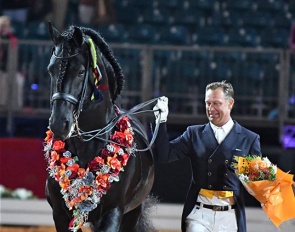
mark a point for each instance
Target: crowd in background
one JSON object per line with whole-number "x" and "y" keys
{"x": 86, "y": 12}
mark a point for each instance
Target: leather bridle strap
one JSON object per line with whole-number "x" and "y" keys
{"x": 70, "y": 98}
{"x": 64, "y": 96}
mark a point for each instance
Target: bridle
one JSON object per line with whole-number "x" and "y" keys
{"x": 98, "y": 134}
{"x": 69, "y": 97}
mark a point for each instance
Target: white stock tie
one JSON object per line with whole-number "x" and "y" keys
{"x": 220, "y": 134}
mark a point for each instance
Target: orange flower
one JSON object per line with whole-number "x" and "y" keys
{"x": 87, "y": 190}
{"x": 58, "y": 145}
{"x": 71, "y": 203}
{"x": 65, "y": 183}
{"x": 48, "y": 135}
{"x": 114, "y": 163}
{"x": 98, "y": 159}
{"x": 102, "y": 181}
{"x": 81, "y": 172}
{"x": 54, "y": 156}
{"x": 60, "y": 170}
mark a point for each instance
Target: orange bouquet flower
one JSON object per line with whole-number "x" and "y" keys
{"x": 269, "y": 185}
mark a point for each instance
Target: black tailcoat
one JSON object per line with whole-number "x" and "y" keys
{"x": 210, "y": 162}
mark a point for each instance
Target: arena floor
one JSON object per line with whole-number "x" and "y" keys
{"x": 46, "y": 229}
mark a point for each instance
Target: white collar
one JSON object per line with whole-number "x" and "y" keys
{"x": 226, "y": 127}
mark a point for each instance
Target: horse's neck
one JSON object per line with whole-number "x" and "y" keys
{"x": 85, "y": 151}
{"x": 94, "y": 118}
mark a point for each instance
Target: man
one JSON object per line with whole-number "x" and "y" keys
{"x": 215, "y": 198}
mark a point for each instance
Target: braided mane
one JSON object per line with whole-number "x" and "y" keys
{"x": 113, "y": 68}
{"x": 114, "y": 71}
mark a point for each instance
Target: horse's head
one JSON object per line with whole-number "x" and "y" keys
{"x": 84, "y": 75}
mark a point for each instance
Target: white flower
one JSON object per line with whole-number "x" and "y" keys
{"x": 22, "y": 193}
{"x": 267, "y": 161}
{"x": 244, "y": 178}
{"x": 121, "y": 152}
{"x": 2, "y": 189}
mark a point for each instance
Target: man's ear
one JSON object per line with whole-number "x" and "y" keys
{"x": 231, "y": 103}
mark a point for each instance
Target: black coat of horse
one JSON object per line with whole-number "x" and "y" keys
{"x": 86, "y": 80}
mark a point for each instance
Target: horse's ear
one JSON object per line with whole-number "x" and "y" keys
{"x": 54, "y": 34}
{"x": 78, "y": 36}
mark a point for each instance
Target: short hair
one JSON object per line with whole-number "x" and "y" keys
{"x": 226, "y": 87}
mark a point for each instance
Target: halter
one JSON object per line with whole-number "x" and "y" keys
{"x": 97, "y": 74}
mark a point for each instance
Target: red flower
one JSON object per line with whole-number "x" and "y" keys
{"x": 105, "y": 153}
{"x": 119, "y": 137}
{"x": 129, "y": 137}
{"x": 123, "y": 124}
{"x": 124, "y": 158}
{"x": 64, "y": 159}
{"x": 74, "y": 169}
{"x": 58, "y": 145}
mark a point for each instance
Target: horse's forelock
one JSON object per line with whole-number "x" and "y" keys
{"x": 68, "y": 34}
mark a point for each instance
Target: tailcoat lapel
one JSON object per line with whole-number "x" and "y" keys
{"x": 229, "y": 143}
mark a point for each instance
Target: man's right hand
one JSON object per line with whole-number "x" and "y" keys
{"x": 161, "y": 109}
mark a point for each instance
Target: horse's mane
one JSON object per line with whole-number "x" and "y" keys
{"x": 114, "y": 70}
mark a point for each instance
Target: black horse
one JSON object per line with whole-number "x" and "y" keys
{"x": 96, "y": 172}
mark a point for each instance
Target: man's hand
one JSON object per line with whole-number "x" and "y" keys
{"x": 161, "y": 109}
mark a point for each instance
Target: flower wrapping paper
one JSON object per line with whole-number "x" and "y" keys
{"x": 269, "y": 185}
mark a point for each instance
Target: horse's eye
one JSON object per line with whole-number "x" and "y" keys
{"x": 81, "y": 71}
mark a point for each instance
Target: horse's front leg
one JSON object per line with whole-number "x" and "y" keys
{"x": 110, "y": 221}
{"x": 61, "y": 220}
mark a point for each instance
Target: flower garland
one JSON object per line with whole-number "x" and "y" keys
{"x": 83, "y": 188}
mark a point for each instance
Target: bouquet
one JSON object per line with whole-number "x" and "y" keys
{"x": 269, "y": 185}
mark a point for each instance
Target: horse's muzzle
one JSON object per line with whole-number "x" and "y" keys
{"x": 62, "y": 129}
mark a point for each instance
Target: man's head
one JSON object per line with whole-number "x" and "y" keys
{"x": 219, "y": 100}
{"x": 5, "y": 26}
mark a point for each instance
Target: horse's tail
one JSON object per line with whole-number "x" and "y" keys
{"x": 145, "y": 222}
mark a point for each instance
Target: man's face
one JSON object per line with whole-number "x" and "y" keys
{"x": 218, "y": 108}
